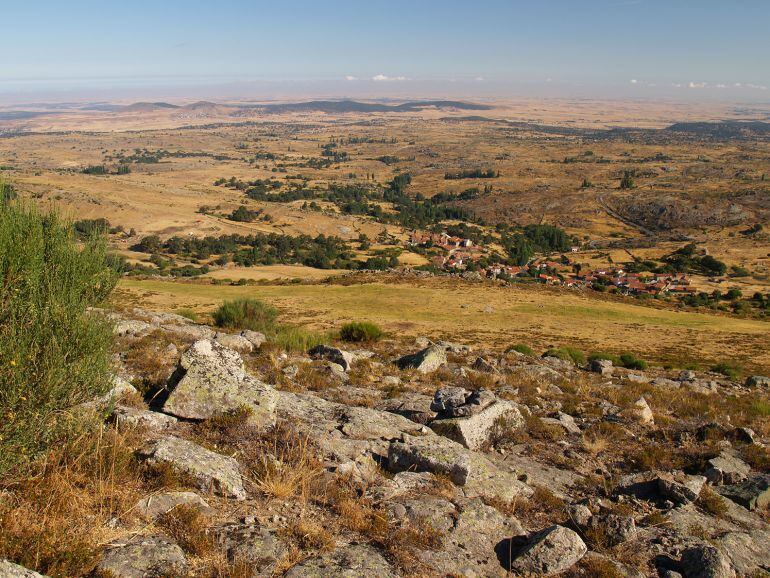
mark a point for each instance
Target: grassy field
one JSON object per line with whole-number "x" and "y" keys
{"x": 489, "y": 316}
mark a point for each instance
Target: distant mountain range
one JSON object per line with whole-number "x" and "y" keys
{"x": 331, "y": 106}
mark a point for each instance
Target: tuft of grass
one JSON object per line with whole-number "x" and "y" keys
{"x": 54, "y": 352}
{"x": 711, "y": 502}
{"x": 53, "y": 519}
{"x": 188, "y": 313}
{"x": 567, "y": 354}
{"x": 246, "y": 313}
{"x": 360, "y": 332}
{"x": 729, "y": 369}
{"x": 293, "y": 338}
{"x": 521, "y": 348}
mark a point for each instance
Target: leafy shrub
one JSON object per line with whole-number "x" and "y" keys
{"x": 728, "y": 369}
{"x": 54, "y": 353}
{"x": 630, "y": 361}
{"x": 246, "y": 313}
{"x": 567, "y": 354}
{"x": 605, "y": 356}
{"x": 360, "y": 331}
{"x": 522, "y": 348}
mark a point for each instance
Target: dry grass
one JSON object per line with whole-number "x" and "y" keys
{"x": 55, "y": 518}
{"x": 151, "y": 358}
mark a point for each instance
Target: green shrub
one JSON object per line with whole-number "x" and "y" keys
{"x": 360, "y": 331}
{"x": 728, "y": 369}
{"x": 293, "y": 338}
{"x": 246, "y": 314}
{"x": 567, "y": 354}
{"x": 630, "y": 361}
{"x": 602, "y": 355}
{"x": 54, "y": 353}
{"x": 522, "y": 348}
{"x": 188, "y": 313}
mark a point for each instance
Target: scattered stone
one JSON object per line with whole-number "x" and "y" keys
{"x": 255, "y": 337}
{"x": 131, "y": 328}
{"x": 752, "y": 494}
{"x": 640, "y": 412}
{"x": 11, "y": 570}
{"x": 237, "y": 342}
{"x": 579, "y": 514}
{"x": 601, "y": 366}
{"x": 484, "y": 365}
{"x": 616, "y": 528}
{"x": 343, "y": 358}
{"x": 345, "y": 562}
{"x": 727, "y": 468}
{"x": 143, "y": 557}
{"x": 686, "y": 375}
{"x": 474, "y": 432}
{"x": 550, "y": 552}
{"x": 680, "y": 488}
{"x": 666, "y": 383}
{"x": 251, "y": 543}
{"x": 744, "y": 435}
{"x": 143, "y": 418}
{"x": 210, "y": 471}
{"x": 426, "y": 360}
{"x": 563, "y": 420}
{"x": 211, "y": 380}
{"x": 415, "y": 407}
{"x": 705, "y": 561}
{"x": 758, "y": 381}
{"x": 156, "y": 505}
{"x": 188, "y": 331}
{"x": 452, "y": 402}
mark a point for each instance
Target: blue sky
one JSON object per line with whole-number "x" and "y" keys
{"x": 625, "y": 46}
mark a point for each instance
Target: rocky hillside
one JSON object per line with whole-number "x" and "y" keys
{"x": 421, "y": 460}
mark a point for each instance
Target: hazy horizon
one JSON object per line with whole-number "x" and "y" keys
{"x": 300, "y": 49}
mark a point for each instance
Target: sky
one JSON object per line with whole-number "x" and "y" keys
{"x": 644, "y": 48}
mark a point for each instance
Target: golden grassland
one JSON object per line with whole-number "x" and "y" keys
{"x": 487, "y": 316}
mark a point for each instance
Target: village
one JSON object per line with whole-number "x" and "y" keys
{"x": 458, "y": 254}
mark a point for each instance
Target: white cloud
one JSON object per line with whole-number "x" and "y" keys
{"x": 350, "y": 77}
{"x": 384, "y": 78}
{"x": 696, "y": 85}
{"x": 721, "y": 85}
{"x": 479, "y": 79}
{"x": 634, "y": 81}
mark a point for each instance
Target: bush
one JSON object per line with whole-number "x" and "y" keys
{"x": 567, "y": 354}
{"x": 246, "y": 314}
{"x": 293, "y": 338}
{"x": 728, "y": 369}
{"x": 54, "y": 353}
{"x": 607, "y": 356}
{"x": 630, "y": 361}
{"x": 360, "y": 331}
{"x": 522, "y": 348}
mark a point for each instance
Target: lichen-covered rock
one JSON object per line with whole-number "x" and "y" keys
{"x": 426, "y": 360}
{"x": 210, "y": 471}
{"x": 727, "y": 468}
{"x": 132, "y": 417}
{"x": 143, "y": 557}
{"x": 353, "y": 561}
{"x": 253, "y": 544}
{"x": 549, "y": 552}
{"x": 211, "y": 380}
{"x": 474, "y": 432}
{"x": 680, "y": 488}
{"x": 156, "y": 505}
{"x": 476, "y": 537}
{"x": 413, "y": 406}
{"x": 601, "y": 366}
{"x": 705, "y": 561}
{"x": 758, "y": 381}
{"x": 640, "y": 412}
{"x": 234, "y": 341}
{"x": 752, "y": 494}
{"x": 255, "y": 337}
{"x": 333, "y": 354}
{"x": 11, "y": 570}
{"x": 473, "y": 471}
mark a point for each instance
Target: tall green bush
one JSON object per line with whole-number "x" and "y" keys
{"x": 246, "y": 313}
{"x": 54, "y": 353}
